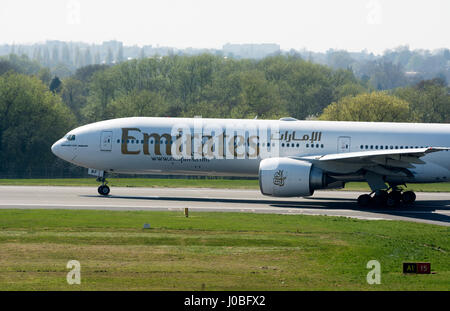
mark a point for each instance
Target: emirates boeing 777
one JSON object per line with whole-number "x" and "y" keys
{"x": 291, "y": 158}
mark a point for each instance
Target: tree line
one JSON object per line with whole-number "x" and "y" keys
{"x": 393, "y": 68}
{"x": 37, "y": 108}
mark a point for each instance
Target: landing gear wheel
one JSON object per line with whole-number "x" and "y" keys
{"x": 364, "y": 200}
{"x": 408, "y": 197}
{"x": 103, "y": 190}
{"x": 380, "y": 198}
{"x": 394, "y": 198}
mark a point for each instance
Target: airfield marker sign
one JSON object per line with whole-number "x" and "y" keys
{"x": 417, "y": 267}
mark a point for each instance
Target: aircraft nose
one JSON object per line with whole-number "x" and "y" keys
{"x": 64, "y": 151}
{"x": 56, "y": 149}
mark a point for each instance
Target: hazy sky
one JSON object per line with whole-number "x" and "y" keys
{"x": 316, "y": 25}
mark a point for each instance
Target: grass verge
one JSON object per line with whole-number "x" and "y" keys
{"x": 214, "y": 251}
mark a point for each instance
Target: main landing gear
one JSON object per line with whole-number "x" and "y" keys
{"x": 103, "y": 189}
{"x": 382, "y": 198}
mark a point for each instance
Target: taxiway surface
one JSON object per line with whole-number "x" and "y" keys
{"x": 431, "y": 208}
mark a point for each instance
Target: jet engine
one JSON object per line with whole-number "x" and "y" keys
{"x": 286, "y": 177}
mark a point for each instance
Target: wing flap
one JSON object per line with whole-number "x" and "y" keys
{"x": 383, "y": 162}
{"x": 394, "y": 154}
{"x": 386, "y": 161}
{"x": 406, "y": 155}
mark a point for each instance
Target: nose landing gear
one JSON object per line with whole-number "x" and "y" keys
{"x": 382, "y": 198}
{"x": 103, "y": 189}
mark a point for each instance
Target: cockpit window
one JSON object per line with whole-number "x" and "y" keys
{"x": 71, "y": 137}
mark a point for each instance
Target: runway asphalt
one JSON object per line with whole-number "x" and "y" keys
{"x": 433, "y": 208}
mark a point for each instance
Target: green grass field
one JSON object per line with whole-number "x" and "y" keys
{"x": 199, "y": 183}
{"x": 214, "y": 251}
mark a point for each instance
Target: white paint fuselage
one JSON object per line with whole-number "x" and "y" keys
{"x": 335, "y": 137}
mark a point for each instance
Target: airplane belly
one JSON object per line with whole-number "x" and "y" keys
{"x": 169, "y": 165}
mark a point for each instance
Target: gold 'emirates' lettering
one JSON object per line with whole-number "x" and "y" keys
{"x": 125, "y": 138}
{"x": 207, "y": 143}
{"x": 157, "y": 142}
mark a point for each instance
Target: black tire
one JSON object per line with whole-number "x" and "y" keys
{"x": 394, "y": 198}
{"x": 408, "y": 197}
{"x": 364, "y": 200}
{"x": 103, "y": 190}
{"x": 380, "y": 198}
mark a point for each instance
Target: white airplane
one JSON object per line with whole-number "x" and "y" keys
{"x": 291, "y": 158}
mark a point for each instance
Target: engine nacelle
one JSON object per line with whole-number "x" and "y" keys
{"x": 286, "y": 177}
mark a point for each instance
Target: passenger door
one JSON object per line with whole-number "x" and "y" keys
{"x": 343, "y": 144}
{"x": 106, "y": 141}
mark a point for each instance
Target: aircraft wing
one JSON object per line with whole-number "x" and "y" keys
{"x": 383, "y": 162}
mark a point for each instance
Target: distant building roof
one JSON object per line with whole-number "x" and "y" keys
{"x": 250, "y": 50}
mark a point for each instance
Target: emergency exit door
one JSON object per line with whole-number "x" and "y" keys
{"x": 343, "y": 144}
{"x": 106, "y": 141}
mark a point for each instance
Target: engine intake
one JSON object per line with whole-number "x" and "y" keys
{"x": 286, "y": 177}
